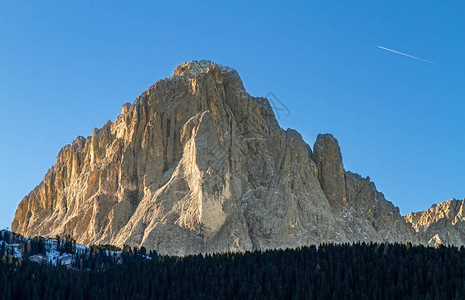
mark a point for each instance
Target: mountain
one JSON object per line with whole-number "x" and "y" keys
{"x": 442, "y": 223}
{"x": 197, "y": 165}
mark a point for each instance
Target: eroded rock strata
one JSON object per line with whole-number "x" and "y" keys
{"x": 198, "y": 165}
{"x": 442, "y": 223}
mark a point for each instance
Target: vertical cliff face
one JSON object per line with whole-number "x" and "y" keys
{"x": 328, "y": 158}
{"x": 363, "y": 211}
{"x": 196, "y": 164}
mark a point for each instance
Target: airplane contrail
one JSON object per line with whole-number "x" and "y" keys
{"x": 405, "y": 54}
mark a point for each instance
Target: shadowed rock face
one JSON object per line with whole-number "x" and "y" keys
{"x": 328, "y": 158}
{"x": 198, "y": 165}
{"x": 356, "y": 204}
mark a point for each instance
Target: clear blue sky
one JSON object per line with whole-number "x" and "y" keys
{"x": 68, "y": 66}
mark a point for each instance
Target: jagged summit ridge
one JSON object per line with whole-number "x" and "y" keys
{"x": 442, "y": 223}
{"x": 198, "y": 165}
{"x": 194, "y": 67}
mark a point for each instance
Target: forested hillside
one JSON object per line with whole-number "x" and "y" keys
{"x": 63, "y": 251}
{"x": 359, "y": 271}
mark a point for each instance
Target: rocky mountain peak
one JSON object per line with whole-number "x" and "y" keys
{"x": 197, "y": 165}
{"x": 328, "y": 158}
{"x": 193, "y": 68}
{"x": 442, "y": 223}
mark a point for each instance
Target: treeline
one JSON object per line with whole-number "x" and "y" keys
{"x": 10, "y": 241}
{"x": 104, "y": 257}
{"x": 359, "y": 271}
{"x": 95, "y": 257}
{"x": 35, "y": 246}
{"x": 10, "y": 237}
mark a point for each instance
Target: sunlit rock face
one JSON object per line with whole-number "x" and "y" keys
{"x": 442, "y": 223}
{"x": 197, "y": 165}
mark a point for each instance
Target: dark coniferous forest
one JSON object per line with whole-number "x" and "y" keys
{"x": 359, "y": 271}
